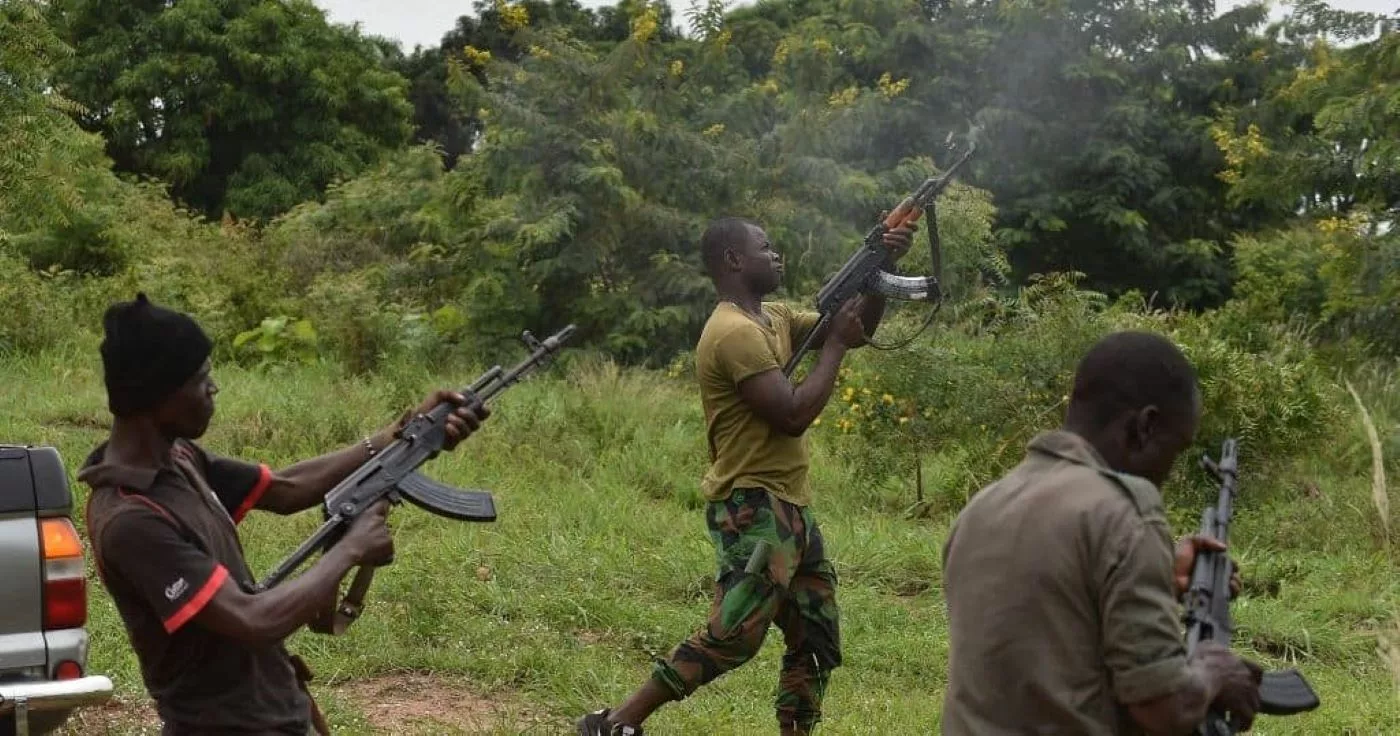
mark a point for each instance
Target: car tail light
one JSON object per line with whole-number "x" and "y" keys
{"x": 68, "y": 670}
{"x": 65, "y": 579}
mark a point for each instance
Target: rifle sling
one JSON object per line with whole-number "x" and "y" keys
{"x": 303, "y": 673}
{"x": 337, "y": 619}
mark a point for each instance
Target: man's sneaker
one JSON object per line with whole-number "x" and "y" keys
{"x": 596, "y": 724}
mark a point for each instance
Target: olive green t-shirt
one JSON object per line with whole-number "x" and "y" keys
{"x": 745, "y": 451}
{"x": 1061, "y": 601}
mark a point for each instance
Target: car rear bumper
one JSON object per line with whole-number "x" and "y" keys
{"x": 24, "y": 698}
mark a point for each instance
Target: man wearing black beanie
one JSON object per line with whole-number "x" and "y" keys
{"x": 161, "y": 518}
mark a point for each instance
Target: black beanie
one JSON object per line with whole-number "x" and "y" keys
{"x": 148, "y": 352}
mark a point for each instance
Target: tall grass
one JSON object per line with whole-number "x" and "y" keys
{"x": 599, "y": 560}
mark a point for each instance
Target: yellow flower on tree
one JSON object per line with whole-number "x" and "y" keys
{"x": 644, "y": 26}
{"x": 780, "y": 53}
{"x": 513, "y": 16}
{"x": 476, "y": 56}
{"x": 844, "y": 98}
{"x": 889, "y": 88}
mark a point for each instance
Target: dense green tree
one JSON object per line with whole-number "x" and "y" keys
{"x": 245, "y": 106}
{"x": 1318, "y": 149}
{"x": 41, "y": 150}
{"x": 437, "y": 117}
{"x": 1325, "y": 138}
{"x": 602, "y": 164}
{"x": 1094, "y": 118}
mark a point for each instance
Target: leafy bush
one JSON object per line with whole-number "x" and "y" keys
{"x": 992, "y": 382}
{"x": 1337, "y": 275}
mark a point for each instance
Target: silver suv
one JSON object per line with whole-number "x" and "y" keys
{"x": 43, "y": 597}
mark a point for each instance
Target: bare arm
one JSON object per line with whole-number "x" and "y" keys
{"x": 304, "y": 484}
{"x": 870, "y": 317}
{"x": 271, "y": 616}
{"x": 898, "y": 241}
{"x": 873, "y": 312}
{"x": 274, "y": 614}
{"x": 790, "y": 409}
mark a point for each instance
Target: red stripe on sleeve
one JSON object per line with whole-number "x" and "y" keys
{"x": 197, "y": 603}
{"x": 264, "y": 482}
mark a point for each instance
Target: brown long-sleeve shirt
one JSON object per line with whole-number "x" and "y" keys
{"x": 1058, "y": 582}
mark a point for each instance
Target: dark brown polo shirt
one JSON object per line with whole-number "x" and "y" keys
{"x": 163, "y": 542}
{"x": 1061, "y": 607}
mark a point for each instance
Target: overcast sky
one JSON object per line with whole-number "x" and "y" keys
{"x": 425, "y": 21}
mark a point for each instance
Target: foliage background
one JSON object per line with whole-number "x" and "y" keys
{"x": 339, "y": 212}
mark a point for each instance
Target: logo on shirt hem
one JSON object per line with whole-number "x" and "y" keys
{"x": 175, "y": 589}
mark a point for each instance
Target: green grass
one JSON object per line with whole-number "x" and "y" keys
{"x": 599, "y": 560}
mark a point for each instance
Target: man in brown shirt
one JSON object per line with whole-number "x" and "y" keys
{"x": 1060, "y": 578}
{"x": 162, "y": 517}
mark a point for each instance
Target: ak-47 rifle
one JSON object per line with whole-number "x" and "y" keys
{"x": 392, "y": 473}
{"x": 1281, "y": 693}
{"x": 864, "y": 271}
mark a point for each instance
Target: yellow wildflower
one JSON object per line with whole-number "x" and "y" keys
{"x": 677, "y": 68}
{"x": 887, "y": 399}
{"x": 714, "y": 130}
{"x": 904, "y": 420}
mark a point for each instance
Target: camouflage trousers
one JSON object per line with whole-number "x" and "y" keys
{"x": 795, "y": 589}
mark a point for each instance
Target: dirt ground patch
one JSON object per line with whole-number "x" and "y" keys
{"x": 396, "y": 703}
{"x": 122, "y": 715}
{"x": 422, "y": 703}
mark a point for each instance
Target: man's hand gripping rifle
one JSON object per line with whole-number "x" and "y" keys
{"x": 865, "y": 272}
{"x": 1281, "y": 693}
{"x": 391, "y": 474}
